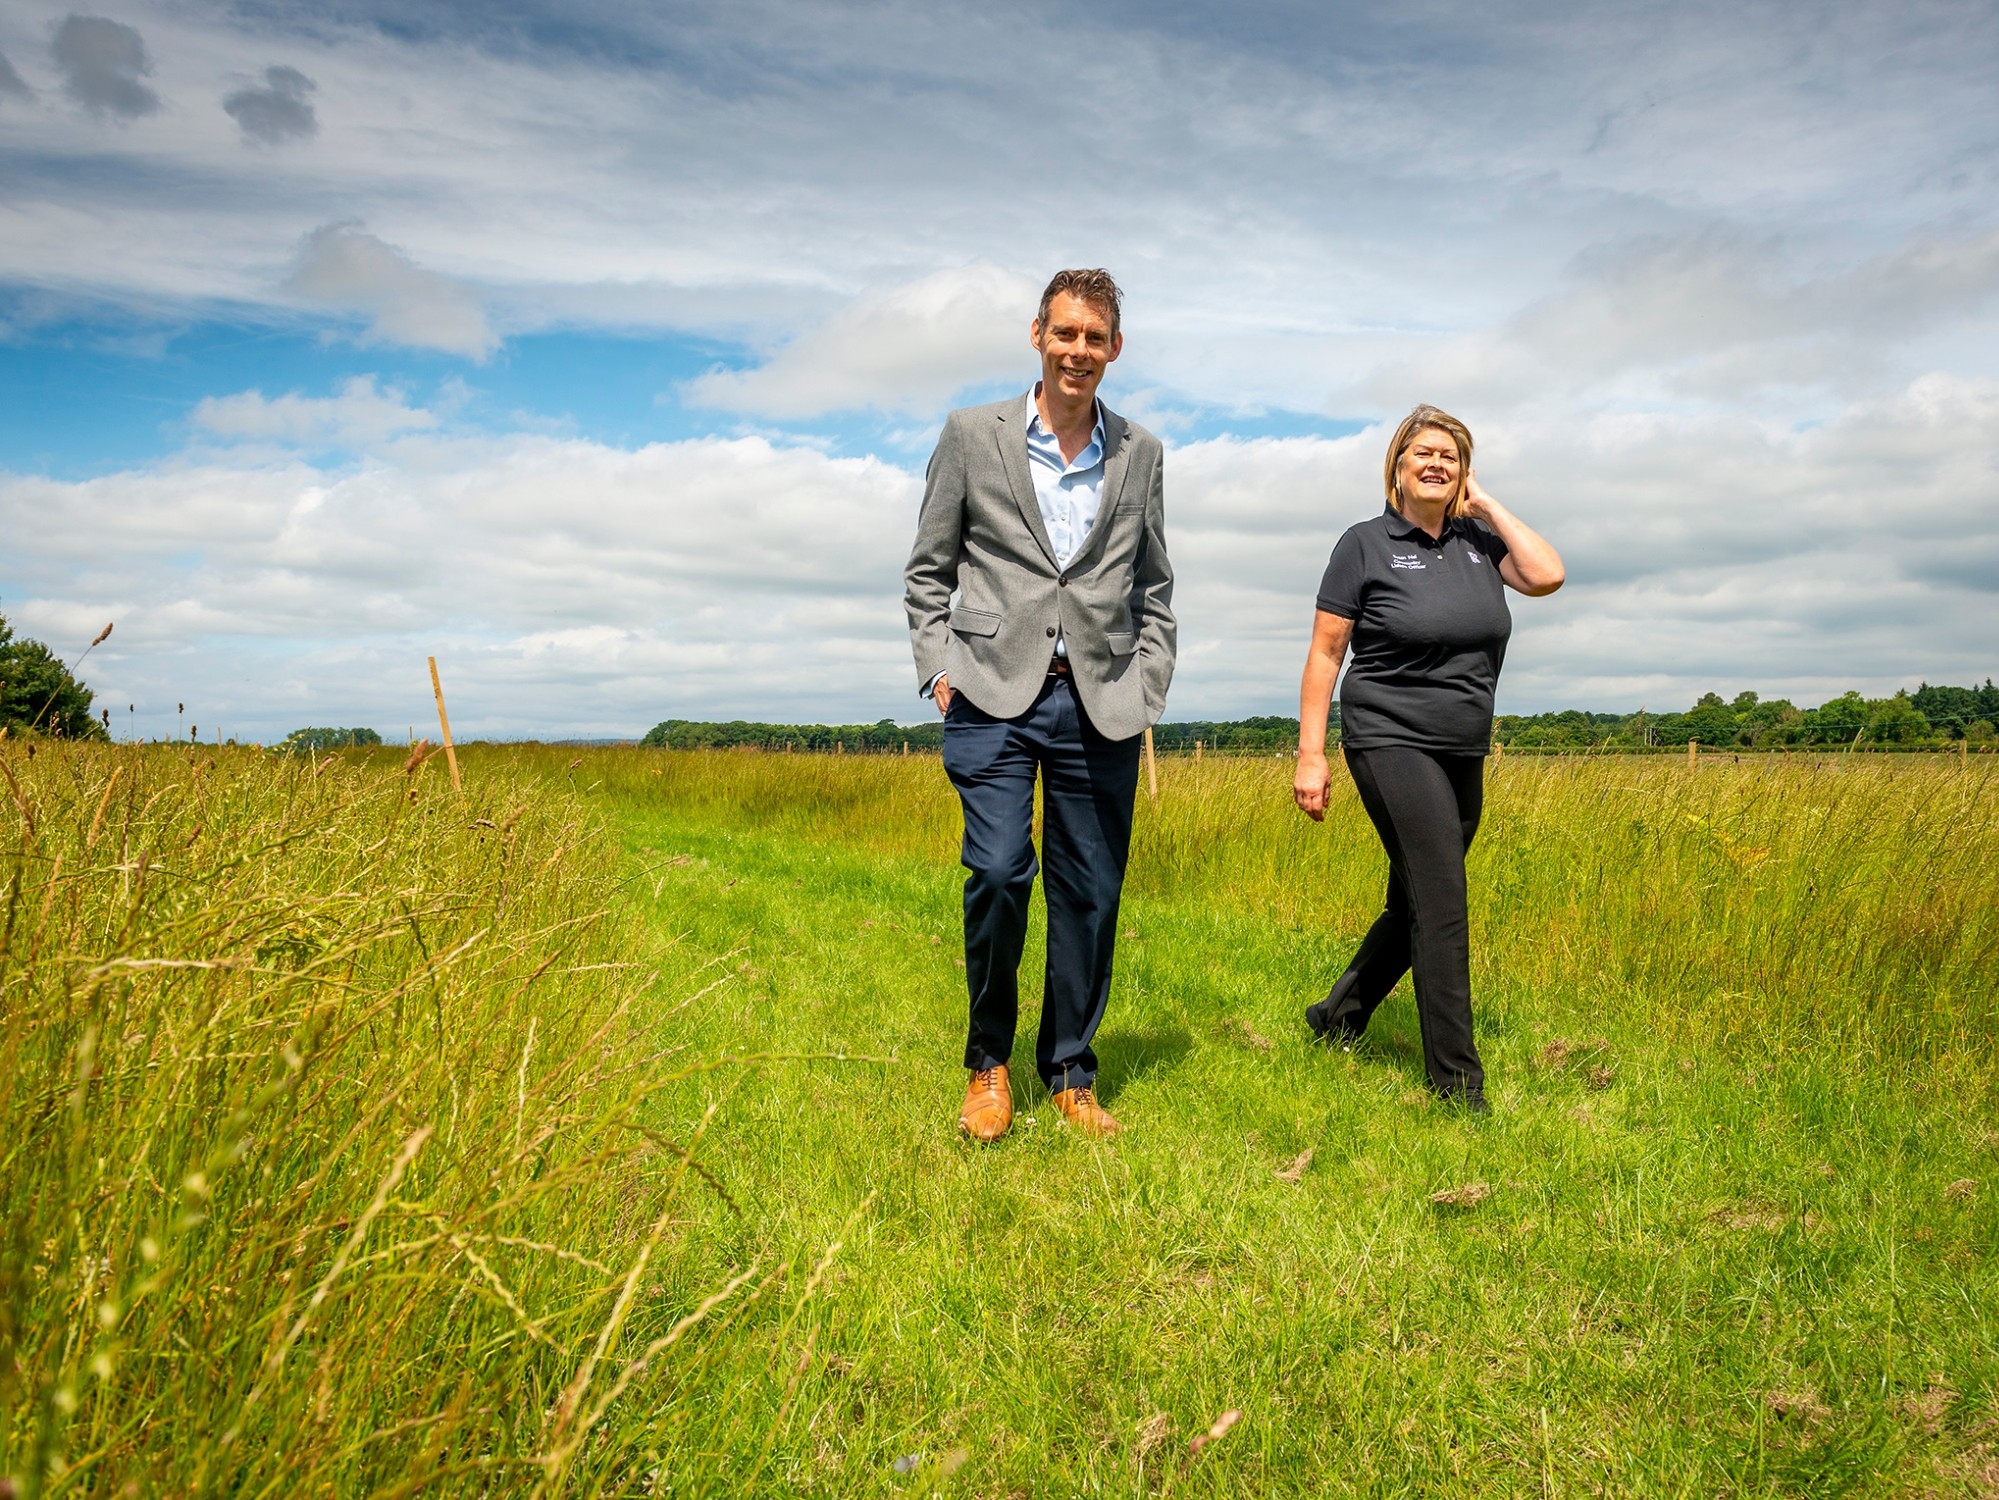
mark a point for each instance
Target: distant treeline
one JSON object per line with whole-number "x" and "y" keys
{"x": 313, "y": 741}
{"x": 1925, "y": 719}
{"x": 737, "y": 734}
{"x": 888, "y": 737}
{"x": 1928, "y": 718}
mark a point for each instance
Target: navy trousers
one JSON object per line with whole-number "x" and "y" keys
{"x": 1088, "y": 785}
{"x": 1426, "y": 807}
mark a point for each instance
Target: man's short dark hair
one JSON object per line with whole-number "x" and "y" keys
{"x": 1094, "y": 286}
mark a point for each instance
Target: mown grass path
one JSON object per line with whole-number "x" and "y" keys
{"x": 1731, "y": 1231}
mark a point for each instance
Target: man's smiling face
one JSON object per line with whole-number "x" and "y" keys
{"x": 1076, "y": 344}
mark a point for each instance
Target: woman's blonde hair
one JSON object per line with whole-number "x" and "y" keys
{"x": 1419, "y": 419}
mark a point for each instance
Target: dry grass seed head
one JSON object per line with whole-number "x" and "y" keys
{"x": 1928, "y": 1408}
{"x": 1802, "y": 1405}
{"x": 1243, "y": 1033}
{"x": 1468, "y": 1196}
{"x": 1555, "y": 1053}
{"x": 1294, "y": 1173}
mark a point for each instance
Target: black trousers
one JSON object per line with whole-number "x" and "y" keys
{"x": 1088, "y": 784}
{"x": 1426, "y": 808}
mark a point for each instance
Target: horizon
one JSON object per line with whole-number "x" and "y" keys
{"x": 1169, "y": 721}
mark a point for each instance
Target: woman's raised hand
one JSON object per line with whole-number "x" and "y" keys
{"x": 1477, "y": 502}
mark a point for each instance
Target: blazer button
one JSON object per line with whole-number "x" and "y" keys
{"x": 1051, "y": 632}
{"x": 1062, "y": 582}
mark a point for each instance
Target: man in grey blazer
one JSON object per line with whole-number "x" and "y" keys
{"x": 1040, "y": 610}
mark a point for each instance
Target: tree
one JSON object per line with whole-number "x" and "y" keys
{"x": 38, "y": 694}
{"x": 1894, "y": 721}
{"x": 1838, "y": 721}
{"x": 1772, "y": 721}
{"x": 1710, "y": 721}
{"x": 1949, "y": 709}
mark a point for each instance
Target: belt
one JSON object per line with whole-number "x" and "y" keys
{"x": 1058, "y": 666}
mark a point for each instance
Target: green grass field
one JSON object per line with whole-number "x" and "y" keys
{"x": 593, "y": 1134}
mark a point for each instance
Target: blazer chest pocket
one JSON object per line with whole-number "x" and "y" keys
{"x": 968, "y": 621}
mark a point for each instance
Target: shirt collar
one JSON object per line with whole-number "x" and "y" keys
{"x": 1403, "y": 529}
{"x": 1036, "y": 428}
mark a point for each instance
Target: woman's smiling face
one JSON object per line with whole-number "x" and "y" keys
{"x": 1430, "y": 469}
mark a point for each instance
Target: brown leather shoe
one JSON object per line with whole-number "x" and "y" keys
{"x": 1080, "y": 1108}
{"x": 988, "y": 1105}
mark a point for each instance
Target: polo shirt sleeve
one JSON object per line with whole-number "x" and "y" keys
{"x": 1340, "y": 589}
{"x": 1488, "y": 541}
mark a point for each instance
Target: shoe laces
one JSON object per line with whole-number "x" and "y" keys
{"x": 1086, "y": 1099}
{"x": 986, "y": 1078}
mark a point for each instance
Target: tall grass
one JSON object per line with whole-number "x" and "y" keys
{"x": 336, "y": 1161}
{"x": 1855, "y": 899}
{"x": 368, "y": 1140}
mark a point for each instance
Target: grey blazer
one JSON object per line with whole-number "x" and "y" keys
{"x": 981, "y": 534}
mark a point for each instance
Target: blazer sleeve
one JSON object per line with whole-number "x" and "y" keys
{"x": 1152, "y": 597}
{"x": 932, "y": 573}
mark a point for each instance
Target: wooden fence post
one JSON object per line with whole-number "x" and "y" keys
{"x": 1693, "y": 751}
{"x": 1197, "y": 752}
{"x": 1151, "y": 766}
{"x": 444, "y": 723}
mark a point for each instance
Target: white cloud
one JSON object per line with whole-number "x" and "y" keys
{"x": 361, "y": 415}
{"x": 905, "y": 350}
{"x": 1276, "y": 209}
{"x": 1712, "y": 315}
{"x": 345, "y": 267}
{"x": 1702, "y": 550}
{"x": 566, "y": 586}
{"x": 571, "y": 587}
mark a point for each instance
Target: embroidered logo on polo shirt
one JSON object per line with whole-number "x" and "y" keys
{"x": 1413, "y": 560}
{"x": 1472, "y": 553}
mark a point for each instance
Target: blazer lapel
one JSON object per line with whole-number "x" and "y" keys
{"x": 1117, "y": 454}
{"x": 1011, "y": 433}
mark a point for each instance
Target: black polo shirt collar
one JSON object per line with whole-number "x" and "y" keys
{"x": 1405, "y": 530}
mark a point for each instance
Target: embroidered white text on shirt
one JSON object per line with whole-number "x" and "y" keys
{"x": 1413, "y": 560}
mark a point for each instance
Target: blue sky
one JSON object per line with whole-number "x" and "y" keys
{"x": 597, "y": 349}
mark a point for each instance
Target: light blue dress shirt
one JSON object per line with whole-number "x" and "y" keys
{"x": 1068, "y": 494}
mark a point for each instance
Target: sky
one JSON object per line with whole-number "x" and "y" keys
{"x": 597, "y": 350}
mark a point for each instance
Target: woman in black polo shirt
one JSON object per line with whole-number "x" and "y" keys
{"x": 1417, "y": 593}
